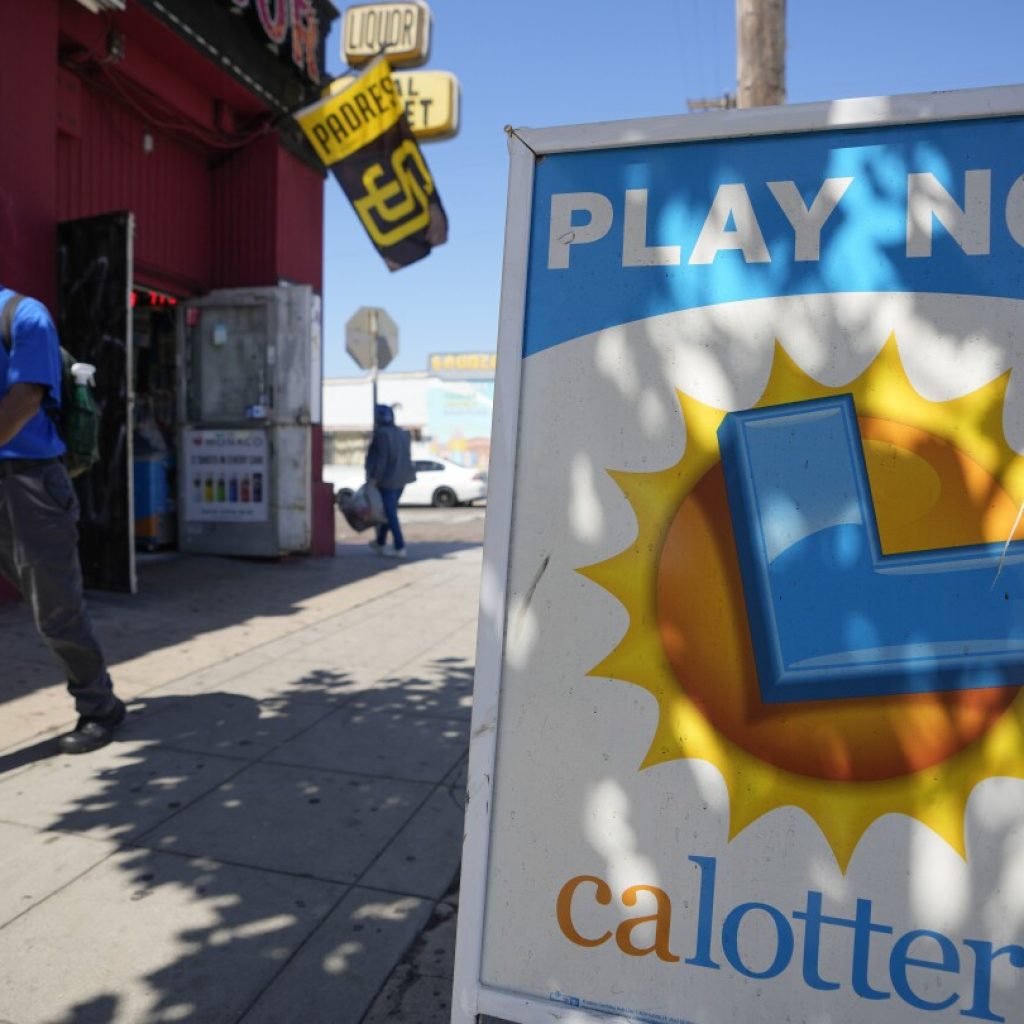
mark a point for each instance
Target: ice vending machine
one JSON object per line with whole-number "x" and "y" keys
{"x": 249, "y": 393}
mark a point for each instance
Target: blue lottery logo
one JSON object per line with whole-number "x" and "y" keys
{"x": 831, "y": 615}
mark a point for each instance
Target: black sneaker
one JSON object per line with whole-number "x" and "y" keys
{"x": 92, "y": 733}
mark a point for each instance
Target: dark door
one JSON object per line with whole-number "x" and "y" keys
{"x": 94, "y": 318}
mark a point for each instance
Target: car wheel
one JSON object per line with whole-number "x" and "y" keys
{"x": 445, "y": 497}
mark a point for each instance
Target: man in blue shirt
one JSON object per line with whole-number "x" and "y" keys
{"x": 39, "y": 516}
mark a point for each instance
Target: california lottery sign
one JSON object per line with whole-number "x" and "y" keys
{"x": 749, "y": 734}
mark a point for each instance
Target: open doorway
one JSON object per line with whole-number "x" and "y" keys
{"x": 154, "y": 427}
{"x": 94, "y": 268}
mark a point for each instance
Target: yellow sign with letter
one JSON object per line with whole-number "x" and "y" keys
{"x": 431, "y": 100}
{"x": 394, "y": 208}
{"x": 357, "y": 114}
{"x": 402, "y": 30}
{"x": 468, "y": 364}
{"x": 361, "y": 133}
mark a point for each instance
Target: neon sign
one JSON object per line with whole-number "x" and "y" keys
{"x": 277, "y": 17}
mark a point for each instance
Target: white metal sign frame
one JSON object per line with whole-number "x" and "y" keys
{"x": 471, "y": 998}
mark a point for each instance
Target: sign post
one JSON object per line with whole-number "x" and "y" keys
{"x": 748, "y": 721}
{"x": 371, "y": 339}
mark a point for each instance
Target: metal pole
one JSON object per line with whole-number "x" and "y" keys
{"x": 373, "y": 373}
{"x": 760, "y": 53}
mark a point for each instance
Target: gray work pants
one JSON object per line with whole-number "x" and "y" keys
{"x": 39, "y": 555}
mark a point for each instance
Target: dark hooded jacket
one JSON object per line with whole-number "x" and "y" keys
{"x": 389, "y": 460}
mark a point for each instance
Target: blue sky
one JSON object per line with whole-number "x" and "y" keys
{"x": 537, "y": 63}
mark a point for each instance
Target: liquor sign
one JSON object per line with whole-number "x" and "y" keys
{"x": 399, "y": 30}
{"x": 748, "y": 721}
{"x": 226, "y": 476}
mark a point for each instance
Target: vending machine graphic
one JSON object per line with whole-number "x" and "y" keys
{"x": 227, "y": 469}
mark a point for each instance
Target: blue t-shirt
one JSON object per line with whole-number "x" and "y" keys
{"x": 34, "y": 359}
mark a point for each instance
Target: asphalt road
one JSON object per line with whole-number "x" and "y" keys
{"x": 463, "y": 525}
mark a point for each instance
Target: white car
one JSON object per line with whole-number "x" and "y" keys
{"x": 438, "y": 482}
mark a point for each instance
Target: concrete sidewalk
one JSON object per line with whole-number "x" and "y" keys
{"x": 275, "y": 835}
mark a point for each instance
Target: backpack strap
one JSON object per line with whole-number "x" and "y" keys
{"x": 7, "y": 320}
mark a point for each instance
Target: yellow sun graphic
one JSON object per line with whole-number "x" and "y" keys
{"x": 941, "y": 475}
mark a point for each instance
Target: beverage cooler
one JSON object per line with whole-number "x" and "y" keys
{"x": 249, "y": 393}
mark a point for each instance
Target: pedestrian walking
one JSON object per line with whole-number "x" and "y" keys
{"x": 389, "y": 466}
{"x": 39, "y": 517}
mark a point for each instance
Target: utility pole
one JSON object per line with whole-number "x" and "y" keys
{"x": 760, "y": 53}
{"x": 375, "y": 332}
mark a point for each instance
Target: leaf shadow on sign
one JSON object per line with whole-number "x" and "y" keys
{"x": 943, "y": 850}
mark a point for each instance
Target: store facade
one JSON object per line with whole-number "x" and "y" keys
{"x": 157, "y": 197}
{"x": 448, "y": 414}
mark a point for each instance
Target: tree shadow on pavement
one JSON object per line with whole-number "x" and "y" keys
{"x": 186, "y": 598}
{"x": 28, "y": 755}
{"x": 245, "y": 868}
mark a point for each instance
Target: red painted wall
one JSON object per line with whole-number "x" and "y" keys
{"x": 268, "y": 218}
{"x": 112, "y": 165}
{"x": 243, "y": 218}
{"x": 74, "y": 146}
{"x": 207, "y": 216}
{"x": 29, "y": 164}
{"x": 300, "y": 221}
{"x": 209, "y": 213}
{"x": 28, "y": 167}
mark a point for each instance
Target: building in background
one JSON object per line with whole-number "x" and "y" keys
{"x": 447, "y": 410}
{"x": 151, "y": 162}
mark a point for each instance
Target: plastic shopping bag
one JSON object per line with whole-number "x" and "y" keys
{"x": 364, "y": 508}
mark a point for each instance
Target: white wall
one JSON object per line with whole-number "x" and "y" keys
{"x": 348, "y": 400}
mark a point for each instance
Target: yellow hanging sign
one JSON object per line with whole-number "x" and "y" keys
{"x": 431, "y": 100}
{"x": 360, "y": 133}
{"x": 353, "y": 117}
